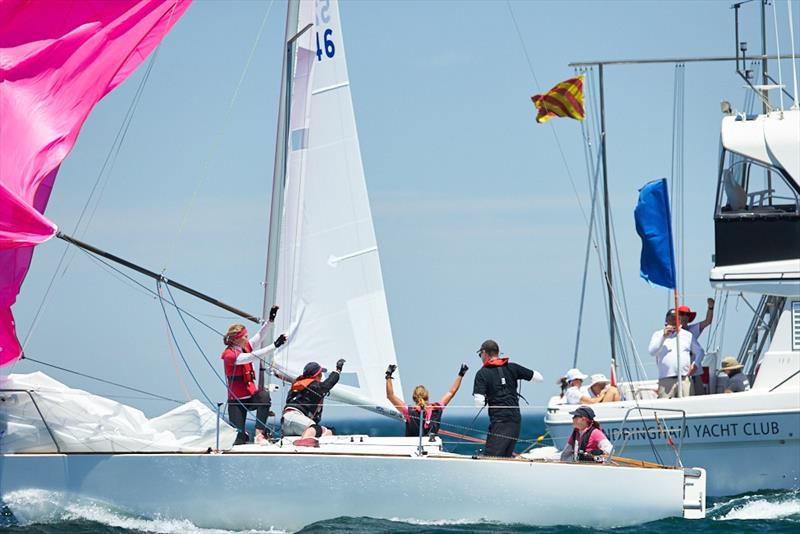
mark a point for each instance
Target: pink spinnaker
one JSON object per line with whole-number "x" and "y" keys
{"x": 58, "y": 58}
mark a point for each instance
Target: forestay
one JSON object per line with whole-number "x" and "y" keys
{"x": 329, "y": 281}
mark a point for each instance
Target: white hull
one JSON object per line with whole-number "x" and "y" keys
{"x": 263, "y": 487}
{"x": 745, "y": 441}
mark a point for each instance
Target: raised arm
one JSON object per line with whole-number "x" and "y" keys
{"x": 456, "y": 384}
{"x": 394, "y": 399}
{"x": 256, "y": 339}
{"x": 709, "y": 315}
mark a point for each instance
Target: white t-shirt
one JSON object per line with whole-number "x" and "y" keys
{"x": 667, "y": 358}
{"x": 574, "y": 394}
{"x": 697, "y": 358}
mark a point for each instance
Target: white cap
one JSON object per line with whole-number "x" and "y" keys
{"x": 573, "y": 374}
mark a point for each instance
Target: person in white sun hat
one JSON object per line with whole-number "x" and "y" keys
{"x": 575, "y": 390}
{"x": 600, "y": 390}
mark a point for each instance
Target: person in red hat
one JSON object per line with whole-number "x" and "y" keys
{"x": 696, "y": 370}
{"x": 673, "y": 350}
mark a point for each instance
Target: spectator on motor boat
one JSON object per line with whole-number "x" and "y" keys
{"x": 673, "y": 352}
{"x": 496, "y": 385}
{"x": 243, "y": 392}
{"x": 737, "y": 380}
{"x": 433, "y": 411}
{"x": 575, "y": 390}
{"x": 687, "y": 316}
{"x": 303, "y": 410}
{"x": 587, "y": 443}
{"x": 600, "y": 390}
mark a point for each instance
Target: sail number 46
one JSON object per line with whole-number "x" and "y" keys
{"x": 327, "y": 44}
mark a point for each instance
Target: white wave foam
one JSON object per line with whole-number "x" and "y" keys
{"x": 762, "y": 508}
{"x": 40, "y": 506}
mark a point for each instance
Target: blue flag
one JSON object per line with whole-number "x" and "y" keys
{"x": 653, "y": 224}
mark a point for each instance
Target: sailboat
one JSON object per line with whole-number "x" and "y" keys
{"x": 324, "y": 270}
{"x": 750, "y": 440}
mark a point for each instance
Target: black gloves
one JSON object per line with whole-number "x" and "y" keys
{"x": 390, "y": 370}
{"x": 463, "y": 370}
{"x": 273, "y": 312}
{"x": 340, "y": 364}
{"x": 281, "y": 339}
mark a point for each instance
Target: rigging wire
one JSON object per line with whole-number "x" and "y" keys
{"x": 216, "y": 142}
{"x": 552, "y": 128}
{"x": 180, "y": 352}
{"x": 113, "y": 150}
{"x": 103, "y": 380}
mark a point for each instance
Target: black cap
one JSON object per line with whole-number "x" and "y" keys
{"x": 584, "y": 411}
{"x": 312, "y": 369}
{"x": 490, "y": 346}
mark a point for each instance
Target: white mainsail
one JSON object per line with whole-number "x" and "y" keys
{"x": 329, "y": 283}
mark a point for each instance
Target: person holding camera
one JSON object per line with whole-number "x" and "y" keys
{"x": 303, "y": 410}
{"x": 243, "y": 392}
{"x": 673, "y": 349}
{"x": 432, "y": 418}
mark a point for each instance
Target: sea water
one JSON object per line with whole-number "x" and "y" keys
{"x": 43, "y": 513}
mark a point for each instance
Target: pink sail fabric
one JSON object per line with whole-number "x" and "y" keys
{"x": 57, "y": 60}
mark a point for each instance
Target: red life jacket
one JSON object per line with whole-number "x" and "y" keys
{"x": 241, "y": 378}
{"x": 496, "y": 362}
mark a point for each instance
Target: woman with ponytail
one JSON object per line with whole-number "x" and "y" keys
{"x": 432, "y": 411}
{"x": 243, "y": 392}
{"x": 587, "y": 443}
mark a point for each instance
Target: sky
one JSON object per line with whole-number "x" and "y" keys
{"x": 480, "y": 228}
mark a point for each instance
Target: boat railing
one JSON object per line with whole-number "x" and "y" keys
{"x": 647, "y": 429}
{"x": 4, "y": 398}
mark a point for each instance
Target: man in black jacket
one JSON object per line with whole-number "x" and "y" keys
{"x": 303, "y": 410}
{"x": 496, "y": 385}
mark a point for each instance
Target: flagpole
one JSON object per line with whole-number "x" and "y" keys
{"x": 609, "y": 284}
{"x": 678, "y": 339}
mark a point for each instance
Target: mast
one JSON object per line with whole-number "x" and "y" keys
{"x": 609, "y": 282}
{"x": 279, "y": 169}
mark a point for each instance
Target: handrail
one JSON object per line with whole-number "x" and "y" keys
{"x": 646, "y": 428}
{"x": 39, "y": 411}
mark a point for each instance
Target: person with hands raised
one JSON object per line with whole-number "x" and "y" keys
{"x": 243, "y": 392}
{"x": 432, "y": 418}
{"x": 303, "y": 411}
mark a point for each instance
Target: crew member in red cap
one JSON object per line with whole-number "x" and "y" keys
{"x": 243, "y": 392}
{"x": 496, "y": 385}
{"x": 303, "y": 410}
{"x": 687, "y": 316}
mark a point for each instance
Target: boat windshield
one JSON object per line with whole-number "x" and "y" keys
{"x": 748, "y": 188}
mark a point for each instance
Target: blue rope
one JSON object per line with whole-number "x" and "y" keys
{"x": 177, "y": 346}
{"x": 199, "y": 348}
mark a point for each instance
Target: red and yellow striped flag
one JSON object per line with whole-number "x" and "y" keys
{"x": 563, "y": 100}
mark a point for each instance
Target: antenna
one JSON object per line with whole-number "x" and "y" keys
{"x": 794, "y": 65}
